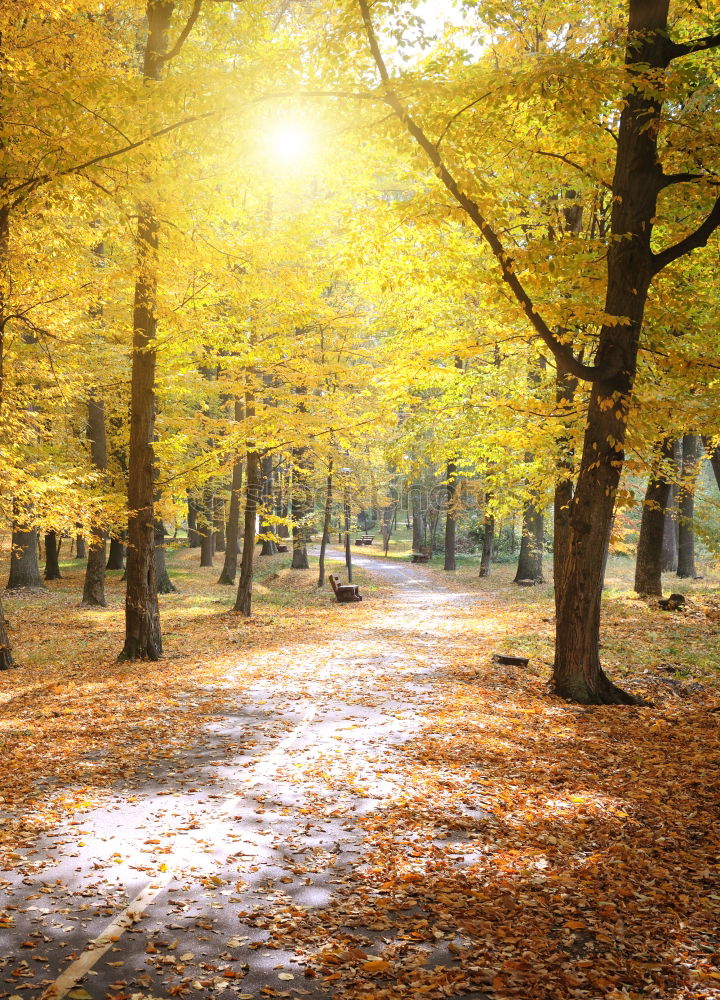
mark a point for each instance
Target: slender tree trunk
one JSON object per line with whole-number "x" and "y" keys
{"x": 488, "y": 543}
{"x": 52, "y": 556}
{"x": 269, "y": 547}
{"x": 193, "y": 535}
{"x": 326, "y": 524}
{"x": 116, "y": 555}
{"x": 243, "y": 601}
{"x": 670, "y": 528}
{"x": 691, "y": 453}
{"x": 227, "y": 576}
{"x": 300, "y": 509}
{"x": 80, "y": 548}
{"x": 648, "y": 565}
{"x": 219, "y": 524}
{"x": 205, "y": 528}
{"x": 532, "y": 544}
{"x": 450, "y": 518}
{"x": 164, "y": 583}
{"x": 6, "y": 657}
{"x": 418, "y": 521}
{"x": 143, "y": 638}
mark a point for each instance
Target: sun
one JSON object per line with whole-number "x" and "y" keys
{"x": 289, "y": 143}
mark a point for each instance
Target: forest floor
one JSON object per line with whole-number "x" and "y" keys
{"x": 354, "y": 801}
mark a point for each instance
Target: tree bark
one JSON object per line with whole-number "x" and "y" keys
{"x": 193, "y": 535}
{"x": 450, "y": 519}
{"x": 488, "y": 542}
{"x": 219, "y": 524}
{"x": 269, "y": 547}
{"x": 24, "y": 565}
{"x": 243, "y": 601}
{"x": 229, "y": 570}
{"x": 418, "y": 521}
{"x": 116, "y": 555}
{"x": 164, "y": 583}
{"x": 691, "y": 454}
{"x": 300, "y": 508}
{"x": 648, "y": 565}
{"x": 6, "y": 657}
{"x": 205, "y": 528}
{"x": 532, "y": 544}
{"x": 326, "y": 524}
{"x": 80, "y": 548}
{"x": 143, "y": 638}
{"x": 52, "y": 556}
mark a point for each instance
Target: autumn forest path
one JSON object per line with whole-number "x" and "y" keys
{"x": 246, "y": 857}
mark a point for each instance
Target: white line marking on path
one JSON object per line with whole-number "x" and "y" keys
{"x": 99, "y": 946}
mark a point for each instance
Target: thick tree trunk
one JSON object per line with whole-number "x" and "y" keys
{"x": 229, "y": 570}
{"x": 532, "y": 544}
{"x": 691, "y": 453}
{"x": 205, "y": 529}
{"x": 269, "y": 547}
{"x": 630, "y": 267}
{"x": 648, "y": 565}
{"x": 162, "y": 577}
{"x": 450, "y": 519}
{"x": 116, "y": 554}
{"x": 52, "y": 556}
{"x": 326, "y": 524}
{"x": 80, "y": 548}
{"x": 487, "y": 547}
{"x": 243, "y": 601}
{"x": 24, "y": 565}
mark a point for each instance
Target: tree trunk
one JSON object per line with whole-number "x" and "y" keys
{"x": 164, "y": 583}
{"x": 219, "y": 524}
{"x": 691, "y": 453}
{"x": 81, "y": 548}
{"x": 229, "y": 570}
{"x": 577, "y": 673}
{"x": 648, "y": 565}
{"x": 52, "y": 556}
{"x": 205, "y": 528}
{"x": 143, "y": 638}
{"x": 450, "y": 519}
{"x": 269, "y": 547}
{"x": 243, "y": 601}
{"x": 532, "y": 544}
{"x": 488, "y": 543}
{"x": 6, "y": 657}
{"x": 670, "y": 527}
{"x": 94, "y": 583}
{"x": 565, "y": 388}
{"x": 326, "y": 525}
{"x": 300, "y": 507}
{"x": 418, "y": 521}
{"x": 116, "y": 555}
{"x": 24, "y": 565}
{"x": 193, "y": 535}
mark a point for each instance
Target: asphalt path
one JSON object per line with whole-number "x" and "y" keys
{"x": 175, "y": 886}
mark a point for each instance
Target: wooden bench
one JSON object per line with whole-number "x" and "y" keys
{"x": 344, "y": 592}
{"x": 423, "y": 556}
{"x": 364, "y": 540}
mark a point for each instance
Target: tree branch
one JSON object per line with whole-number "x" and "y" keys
{"x": 678, "y": 49}
{"x": 589, "y": 373}
{"x": 693, "y": 241}
{"x": 26, "y": 187}
{"x": 182, "y": 37}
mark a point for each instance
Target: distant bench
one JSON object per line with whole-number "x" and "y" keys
{"x": 364, "y": 540}
{"x": 344, "y": 592}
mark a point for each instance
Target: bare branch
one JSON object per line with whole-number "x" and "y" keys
{"x": 589, "y": 373}
{"x": 693, "y": 241}
{"x": 571, "y": 163}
